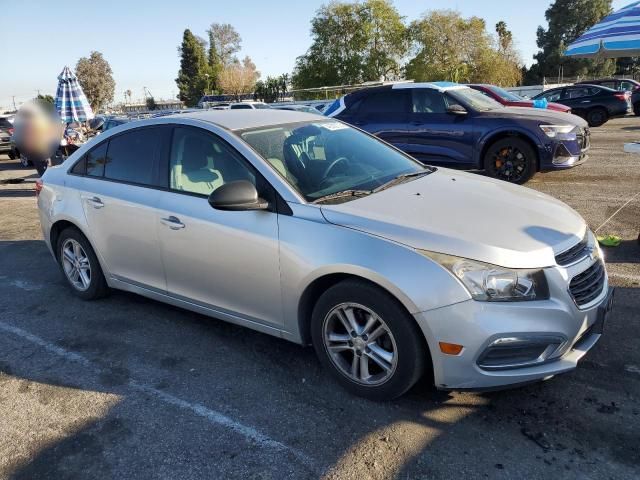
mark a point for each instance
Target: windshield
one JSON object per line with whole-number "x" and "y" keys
{"x": 475, "y": 99}
{"x": 503, "y": 94}
{"x": 328, "y": 157}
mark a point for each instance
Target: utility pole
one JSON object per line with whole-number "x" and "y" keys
{"x": 14, "y": 102}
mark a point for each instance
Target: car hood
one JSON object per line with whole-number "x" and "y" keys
{"x": 539, "y": 114}
{"x": 468, "y": 216}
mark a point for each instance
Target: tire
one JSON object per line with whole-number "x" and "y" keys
{"x": 12, "y": 155}
{"x": 401, "y": 347}
{"x": 597, "y": 117}
{"x": 636, "y": 109}
{"x": 511, "y": 159}
{"x": 25, "y": 162}
{"x": 92, "y": 284}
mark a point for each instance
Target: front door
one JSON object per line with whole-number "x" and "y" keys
{"x": 435, "y": 136}
{"x": 225, "y": 260}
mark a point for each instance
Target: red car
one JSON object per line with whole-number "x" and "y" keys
{"x": 512, "y": 100}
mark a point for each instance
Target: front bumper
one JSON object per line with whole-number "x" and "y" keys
{"x": 477, "y": 324}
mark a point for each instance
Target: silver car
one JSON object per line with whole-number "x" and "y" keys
{"x": 311, "y": 230}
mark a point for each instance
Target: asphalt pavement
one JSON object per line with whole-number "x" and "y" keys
{"x": 127, "y": 387}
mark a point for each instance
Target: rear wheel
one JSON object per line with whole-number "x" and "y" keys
{"x": 12, "y": 155}
{"x": 24, "y": 161}
{"x": 511, "y": 159}
{"x": 80, "y": 265}
{"x": 367, "y": 340}
{"x": 597, "y": 117}
{"x": 636, "y": 109}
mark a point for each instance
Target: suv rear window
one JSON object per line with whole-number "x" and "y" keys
{"x": 386, "y": 101}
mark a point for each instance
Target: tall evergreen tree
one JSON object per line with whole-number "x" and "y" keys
{"x": 192, "y": 80}
{"x": 568, "y": 19}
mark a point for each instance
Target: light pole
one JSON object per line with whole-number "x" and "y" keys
{"x": 206, "y": 92}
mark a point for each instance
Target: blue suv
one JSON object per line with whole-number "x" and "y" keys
{"x": 453, "y": 125}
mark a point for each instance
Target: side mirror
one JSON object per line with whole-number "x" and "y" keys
{"x": 237, "y": 196}
{"x": 456, "y": 110}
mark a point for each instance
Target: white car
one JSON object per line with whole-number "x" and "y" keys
{"x": 308, "y": 229}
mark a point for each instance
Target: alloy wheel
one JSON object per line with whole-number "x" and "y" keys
{"x": 76, "y": 265}
{"x": 360, "y": 344}
{"x": 510, "y": 164}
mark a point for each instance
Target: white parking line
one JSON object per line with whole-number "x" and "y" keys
{"x": 214, "y": 417}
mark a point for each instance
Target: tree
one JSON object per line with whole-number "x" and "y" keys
{"x": 95, "y": 77}
{"x": 449, "y": 47}
{"x": 192, "y": 80}
{"x": 151, "y": 103}
{"x": 224, "y": 43}
{"x": 352, "y": 43}
{"x": 239, "y": 78}
{"x": 46, "y": 98}
{"x": 568, "y": 19}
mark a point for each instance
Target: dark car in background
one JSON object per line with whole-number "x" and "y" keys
{"x": 595, "y": 103}
{"x": 111, "y": 122}
{"x": 509, "y": 99}
{"x": 6, "y": 130}
{"x": 453, "y": 125}
{"x": 622, "y": 85}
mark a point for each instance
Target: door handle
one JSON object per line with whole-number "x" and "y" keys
{"x": 95, "y": 201}
{"x": 585, "y": 101}
{"x": 172, "y": 222}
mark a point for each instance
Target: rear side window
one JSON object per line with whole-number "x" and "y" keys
{"x": 428, "y": 100}
{"x": 552, "y": 96}
{"x": 131, "y": 156}
{"x": 581, "y": 92}
{"x": 386, "y": 101}
{"x": 96, "y": 160}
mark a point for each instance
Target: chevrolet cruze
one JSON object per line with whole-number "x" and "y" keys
{"x": 308, "y": 229}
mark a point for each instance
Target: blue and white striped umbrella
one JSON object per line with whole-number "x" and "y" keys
{"x": 617, "y": 35}
{"x": 71, "y": 103}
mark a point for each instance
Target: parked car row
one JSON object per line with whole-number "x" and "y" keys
{"x": 594, "y": 102}
{"x": 453, "y": 125}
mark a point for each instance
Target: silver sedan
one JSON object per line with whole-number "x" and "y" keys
{"x": 308, "y": 229}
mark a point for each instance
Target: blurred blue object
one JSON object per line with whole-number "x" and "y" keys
{"x": 71, "y": 103}
{"x": 540, "y": 103}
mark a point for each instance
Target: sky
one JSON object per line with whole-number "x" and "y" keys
{"x": 139, "y": 38}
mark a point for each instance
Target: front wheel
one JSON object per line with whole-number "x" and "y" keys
{"x": 597, "y": 117}
{"x": 367, "y": 340}
{"x": 510, "y": 159}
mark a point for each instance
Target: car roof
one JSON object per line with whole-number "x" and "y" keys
{"x": 440, "y": 86}
{"x": 244, "y": 119}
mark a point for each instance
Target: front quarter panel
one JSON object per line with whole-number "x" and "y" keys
{"x": 311, "y": 248}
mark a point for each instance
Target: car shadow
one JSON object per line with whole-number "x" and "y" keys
{"x": 562, "y": 428}
{"x": 17, "y": 192}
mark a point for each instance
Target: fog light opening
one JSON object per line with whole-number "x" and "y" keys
{"x": 519, "y": 352}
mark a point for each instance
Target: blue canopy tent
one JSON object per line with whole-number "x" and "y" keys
{"x": 71, "y": 103}
{"x": 616, "y": 35}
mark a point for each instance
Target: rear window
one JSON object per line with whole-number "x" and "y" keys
{"x": 131, "y": 156}
{"x": 4, "y": 123}
{"x": 240, "y": 107}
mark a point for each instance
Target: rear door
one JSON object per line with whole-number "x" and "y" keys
{"x": 383, "y": 113}
{"x": 435, "y": 136}
{"x": 579, "y": 98}
{"x": 120, "y": 197}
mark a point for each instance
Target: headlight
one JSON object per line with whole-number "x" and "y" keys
{"x": 562, "y": 132}
{"x": 490, "y": 283}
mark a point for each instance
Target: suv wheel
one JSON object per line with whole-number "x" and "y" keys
{"x": 367, "y": 340}
{"x": 510, "y": 159}
{"x": 597, "y": 117}
{"x": 80, "y": 265}
{"x": 24, "y": 161}
{"x": 636, "y": 109}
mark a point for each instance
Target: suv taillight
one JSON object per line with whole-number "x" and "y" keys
{"x": 621, "y": 95}
{"x": 10, "y": 130}
{"x": 39, "y": 185}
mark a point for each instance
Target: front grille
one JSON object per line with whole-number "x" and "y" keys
{"x": 587, "y": 286}
{"x": 577, "y": 252}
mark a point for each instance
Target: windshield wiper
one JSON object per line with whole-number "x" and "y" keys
{"x": 402, "y": 178}
{"x": 344, "y": 193}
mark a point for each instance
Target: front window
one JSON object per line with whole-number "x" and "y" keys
{"x": 324, "y": 158}
{"x": 474, "y": 99}
{"x": 503, "y": 94}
